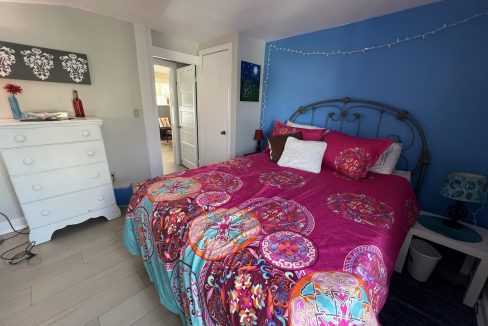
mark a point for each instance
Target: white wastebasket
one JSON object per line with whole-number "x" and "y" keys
{"x": 422, "y": 259}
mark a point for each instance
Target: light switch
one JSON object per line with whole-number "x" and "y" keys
{"x": 137, "y": 113}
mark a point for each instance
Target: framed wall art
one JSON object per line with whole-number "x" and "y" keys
{"x": 26, "y": 62}
{"x": 250, "y": 80}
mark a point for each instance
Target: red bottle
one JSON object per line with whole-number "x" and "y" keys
{"x": 78, "y": 105}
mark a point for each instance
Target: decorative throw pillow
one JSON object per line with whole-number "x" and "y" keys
{"x": 307, "y": 134}
{"x": 388, "y": 159}
{"x": 353, "y": 156}
{"x": 280, "y": 129}
{"x": 277, "y": 145}
{"x": 303, "y": 155}
{"x": 299, "y": 125}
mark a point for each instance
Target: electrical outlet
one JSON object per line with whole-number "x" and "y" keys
{"x": 137, "y": 113}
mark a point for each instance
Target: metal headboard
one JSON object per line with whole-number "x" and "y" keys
{"x": 348, "y": 115}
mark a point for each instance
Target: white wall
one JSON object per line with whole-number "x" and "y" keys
{"x": 114, "y": 93}
{"x": 173, "y": 43}
{"x": 248, "y": 113}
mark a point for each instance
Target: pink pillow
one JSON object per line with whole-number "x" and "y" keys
{"x": 352, "y": 156}
{"x": 307, "y": 134}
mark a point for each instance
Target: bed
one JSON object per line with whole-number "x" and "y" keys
{"x": 247, "y": 242}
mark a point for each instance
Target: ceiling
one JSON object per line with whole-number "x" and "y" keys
{"x": 201, "y": 21}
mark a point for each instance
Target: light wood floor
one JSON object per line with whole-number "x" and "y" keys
{"x": 169, "y": 166}
{"x": 83, "y": 276}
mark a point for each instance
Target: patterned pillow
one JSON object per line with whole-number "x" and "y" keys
{"x": 307, "y": 134}
{"x": 352, "y": 156}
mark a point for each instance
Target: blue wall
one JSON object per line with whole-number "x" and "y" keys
{"x": 442, "y": 81}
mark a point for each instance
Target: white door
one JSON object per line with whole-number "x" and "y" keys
{"x": 187, "y": 112}
{"x": 215, "y": 88}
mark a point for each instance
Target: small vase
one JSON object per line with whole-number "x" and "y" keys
{"x": 14, "y": 106}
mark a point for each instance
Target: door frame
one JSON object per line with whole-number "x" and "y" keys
{"x": 175, "y": 121}
{"x": 145, "y": 52}
{"x": 230, "y": 117}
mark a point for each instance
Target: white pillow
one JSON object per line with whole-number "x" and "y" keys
{"x": 299, "y": 125}
{"x": 388, "y": 160}
{"x": 404, "y": 174}
{"x": 303, "y": 155}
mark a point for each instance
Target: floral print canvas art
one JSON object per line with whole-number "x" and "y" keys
{"x": 27, "y": 62}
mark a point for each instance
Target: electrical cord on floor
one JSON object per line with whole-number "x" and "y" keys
{"x": 10, "y": 256}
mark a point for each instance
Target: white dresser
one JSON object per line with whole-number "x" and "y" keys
{"x": 59, "y": 172}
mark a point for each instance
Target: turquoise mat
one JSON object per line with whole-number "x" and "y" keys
{"x": 435, "y": 224}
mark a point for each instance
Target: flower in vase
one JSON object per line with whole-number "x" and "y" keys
{"x": 13, "y": 89}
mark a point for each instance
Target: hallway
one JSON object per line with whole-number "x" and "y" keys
{"x": 169, "y": 166}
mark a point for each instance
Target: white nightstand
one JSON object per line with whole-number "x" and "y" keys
{"x": 477, "y": 250}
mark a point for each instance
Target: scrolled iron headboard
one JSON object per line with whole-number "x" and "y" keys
{"x": 349, "y": 115}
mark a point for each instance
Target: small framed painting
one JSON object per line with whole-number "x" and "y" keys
{"x": 250, "y": 80}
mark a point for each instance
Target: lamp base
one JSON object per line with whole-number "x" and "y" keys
{"x": 453, "y": 224}
{"x": 455, "y": 212}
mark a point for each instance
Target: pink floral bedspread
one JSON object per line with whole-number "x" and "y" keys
{"x": 246, "y": 242}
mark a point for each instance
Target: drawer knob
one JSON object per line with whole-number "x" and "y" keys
{"x": 27, "y": 161}
{"x": 90, "y": 152}
{"x": 96, "y": 175}
{"x": 36, "y": 187}
{"x": 45, "y": 212}
{"x": 101, "y": 197}
{"x": 85, "y": 133}
{"x": 20, "y": 138}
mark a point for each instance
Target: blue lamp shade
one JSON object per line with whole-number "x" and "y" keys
{"x": 466, "y": 187}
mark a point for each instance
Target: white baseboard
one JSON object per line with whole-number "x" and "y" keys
{"x": 482, "y": 309}
{"x": 18, "y": 223}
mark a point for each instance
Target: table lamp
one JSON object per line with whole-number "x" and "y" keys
{"x": 258, "y": 136}
{"x": 463, "y": 188}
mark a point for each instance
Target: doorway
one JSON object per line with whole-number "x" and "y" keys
{"x": 166, "y": 120}
{"x": 175, "y": 90}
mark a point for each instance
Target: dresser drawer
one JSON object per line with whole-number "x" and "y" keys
{"x": 55, "y": 209}
{"x": 43, "y": 135}
{"x": 58, "y": 182}
{"x": 28, "y": 160}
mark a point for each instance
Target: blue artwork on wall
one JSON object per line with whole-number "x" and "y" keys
{"x": 440, "y": 80}
{"x": 250, "y": 78}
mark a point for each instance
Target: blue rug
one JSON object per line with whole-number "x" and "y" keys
{"x": 436, "y": 302}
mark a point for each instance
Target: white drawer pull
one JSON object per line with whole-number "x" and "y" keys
{"x": 20, "y": 138}
{"x": 101, "y": 197}
{"x": 85, "y": 133}
{"x": 27, "y": 161}
{"x": 45, "y": 212}
{"x": 36, "y": 187}
{"x": 90, "y": 152}
{"x": 96, "y": 175}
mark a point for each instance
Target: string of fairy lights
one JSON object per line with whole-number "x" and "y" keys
{"x": 399, "y": 41}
